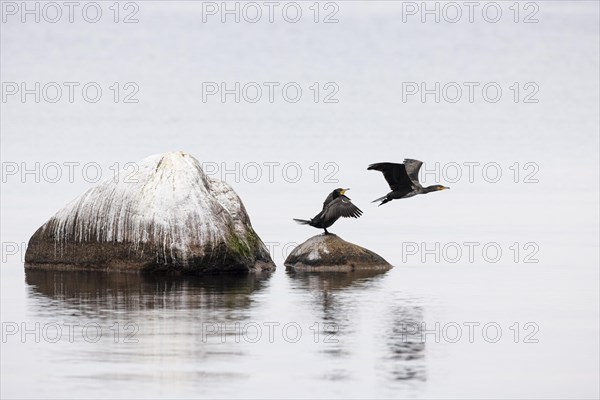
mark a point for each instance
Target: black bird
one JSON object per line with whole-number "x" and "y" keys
{"x": 336, "y": 205}
{"x": 403, "y": 180}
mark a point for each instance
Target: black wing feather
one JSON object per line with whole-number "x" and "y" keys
{"x": 341, "y": 207}
{"x": 395, "y": 175}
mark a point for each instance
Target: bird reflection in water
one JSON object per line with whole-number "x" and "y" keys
{"x": 405, "y": 358}
{"x": 338, "y": 298}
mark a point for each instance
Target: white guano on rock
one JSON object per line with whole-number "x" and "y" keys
{"x": 167, "y": 215}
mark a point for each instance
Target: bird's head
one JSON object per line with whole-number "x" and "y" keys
{"x": 434, "y": 188}
{"x": 339, "y": 192}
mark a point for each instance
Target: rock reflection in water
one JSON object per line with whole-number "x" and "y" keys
{"x": 327, "y": 287}
{"x": 162, "y": 320}
{"x": 172, "y": 344}
{"x": 113, "y": 291}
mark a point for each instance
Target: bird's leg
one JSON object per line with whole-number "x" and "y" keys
{"x": 327, "y": 233}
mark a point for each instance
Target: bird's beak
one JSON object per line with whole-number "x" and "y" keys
{"x": 446, "y": 187}
{"x": 344, "y": 191}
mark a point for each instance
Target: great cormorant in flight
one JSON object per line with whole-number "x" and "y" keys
{"x": 403, "y": 180}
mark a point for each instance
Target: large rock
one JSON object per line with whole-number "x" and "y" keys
{"x": 328, "y": 252}
{"x": 168, "y": 216}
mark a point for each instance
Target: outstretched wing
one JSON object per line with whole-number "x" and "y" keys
{"x": 341, "y": 207}
{"x": 394, "y": 174}
{"x": 412, "y": 168}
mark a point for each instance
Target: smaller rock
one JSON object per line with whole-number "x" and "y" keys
{"x": 328, "y": 252}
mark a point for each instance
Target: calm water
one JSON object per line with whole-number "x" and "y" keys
{"x": 361, "y": 336}
{"x": 333, "y": 335}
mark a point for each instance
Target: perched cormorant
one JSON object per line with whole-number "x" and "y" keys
{"x": 403, "y": 180}
{"x": 336, "y": 205}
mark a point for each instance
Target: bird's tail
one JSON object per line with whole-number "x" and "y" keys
{"x": 383, "y": 202}
{"x": 301, "y": 221}
{"x": 384, "y": 198}
{"x": 379, "y": 199}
